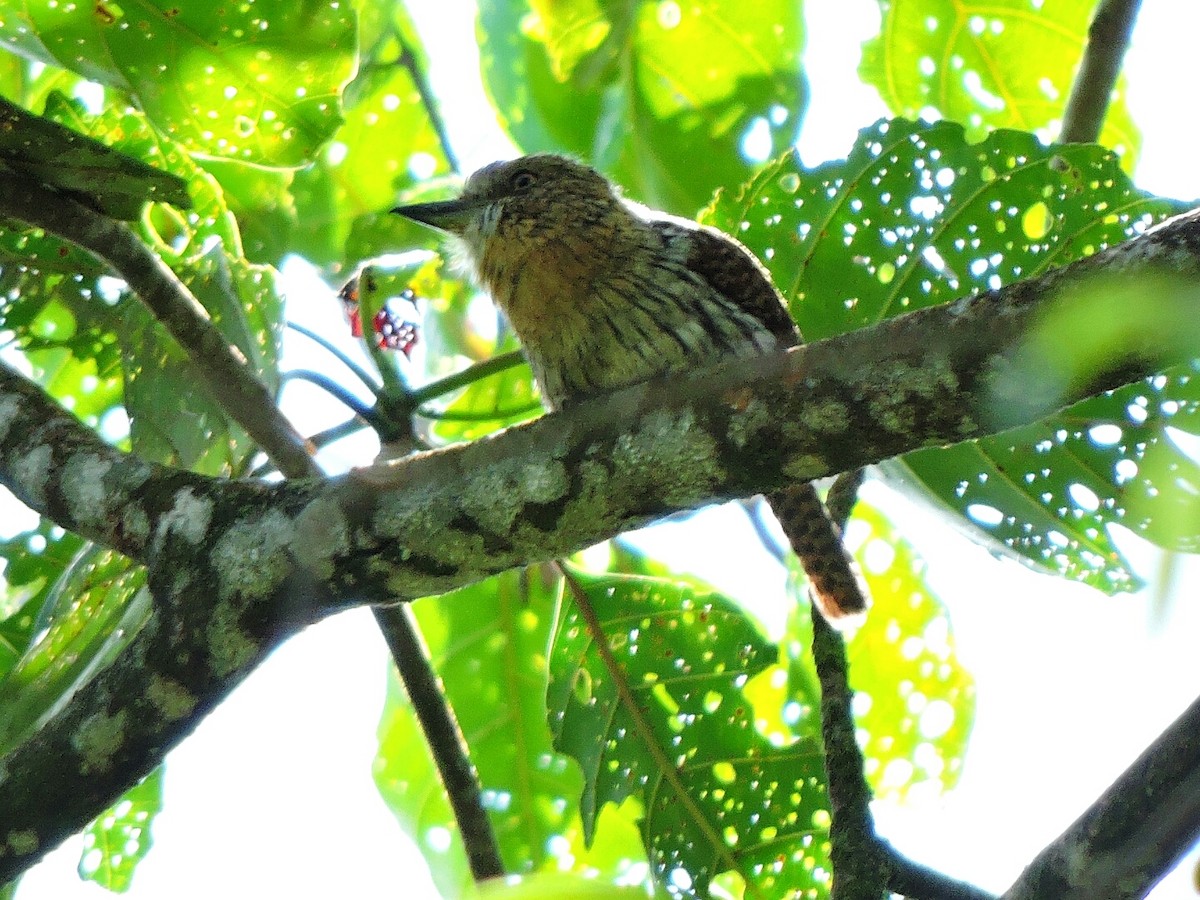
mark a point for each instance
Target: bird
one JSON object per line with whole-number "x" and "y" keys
{"x": 604, "y": 293}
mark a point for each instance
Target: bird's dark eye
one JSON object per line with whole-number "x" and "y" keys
{"x": 523, "y": 180}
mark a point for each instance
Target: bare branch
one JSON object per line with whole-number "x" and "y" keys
{"x": 858, "y": 865}
{"x": 917, "y": 882}
{"x": 223, "y": 373}
{"x": 440, "y": 727}
{"x": 408, "y": 59}
{"x": 1134, "y": 833}
{"x": 1108, "y": 39}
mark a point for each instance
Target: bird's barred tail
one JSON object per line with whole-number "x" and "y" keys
{"x": 837, "y": 587}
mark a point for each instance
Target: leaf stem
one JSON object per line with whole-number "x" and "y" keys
{"x": 469, "y": 375}
{"x": 335, "y": 390}
{"x": 358, "y": 371}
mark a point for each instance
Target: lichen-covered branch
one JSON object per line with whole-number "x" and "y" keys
{"x": 238, "y": 565}
{"x": 225, "y": 375}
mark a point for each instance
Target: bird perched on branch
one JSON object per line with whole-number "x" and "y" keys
{"x": 605, "y": 293}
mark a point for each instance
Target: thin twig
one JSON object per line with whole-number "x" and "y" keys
{"x": 408, "y": 59}
{"x": 1108, "y": 39}
{"x": 319, "y": 441}
{"x": 360, "y": 373}
{"x": 459, "y": 777}
{"x": 334, "y": 389}
{"x": 469, "y": 417}
{"x": 757, "y": 509}
{"x": 917, "y": 882}
{"x": 842, "y": 496}
{"x": 859, "y": 872}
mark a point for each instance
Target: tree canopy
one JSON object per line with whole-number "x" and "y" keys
{"x": 998, "y": 321}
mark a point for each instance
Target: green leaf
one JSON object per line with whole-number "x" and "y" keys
{"x": 647, "y": 692}
{"x": 119, "y": 839}
{"x": 914, "y": 701}
{"x": 87, "y": 616}
{"x": 488, "y": 643}
{"x": 34, "y": 561}
{"x": 988, "y": 65}
{"x": 918, "y": 215}
{"x": 254, "y": 82}
{"x": 89, "y": 171}
{"x": 619, "y": 84}
{"x": 94, "y": 395}
{"x": 171, "y": 420}
{"x": 557, "y": 886}
{"x": 386, "y": 147}
{"x": 261, "y": 201}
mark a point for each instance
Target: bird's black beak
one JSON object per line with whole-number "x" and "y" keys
{"x": 447, "y": 215}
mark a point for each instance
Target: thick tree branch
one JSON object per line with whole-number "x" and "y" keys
{"x": 273, "y": 558}
{"x": 1134, "y": 833}
{"x": 1108, "y": 39}
{"x": 224, "y": 374}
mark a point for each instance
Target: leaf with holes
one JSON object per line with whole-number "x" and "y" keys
{"x": 971, "y": 62}
{"x": 647, "y": 680}
{"x": 384, "y": 149}
{"x": 914, "y": 701}
{"x": 618, "y": 84}
{"x": 918, "y": 215}
{"x": 119, "y": 838}
{"x": 258, "y": 82}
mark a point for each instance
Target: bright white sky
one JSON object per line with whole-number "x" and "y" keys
{"x": 273, "y": 794}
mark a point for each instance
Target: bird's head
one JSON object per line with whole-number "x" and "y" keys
{"x": 521, "y": 203}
